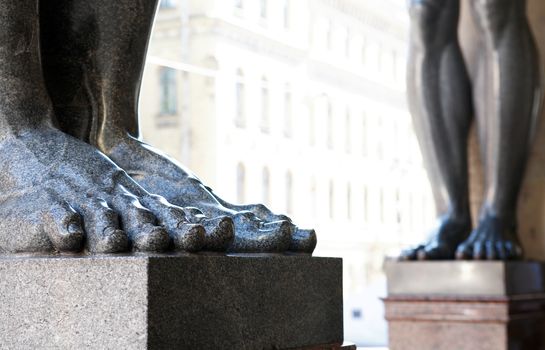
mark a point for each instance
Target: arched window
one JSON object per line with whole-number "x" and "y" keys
{"x": 331, "y": 199}
{"x": 348, "y": 202}
{"x": 211, "y": 63}
{"x": 394, "y": 64}
{"x": 329, "y": 35}
{"x": 240, "y": 115}
{"x": 398, "y": 206}
{"x": 348, "y": 132}
{"x": 381, "y": 206}
{"x": 364, "y": 134}
{"x": 365, "y": 204}
{"x": 289, "y": 193}
{"x": 313, "y": 198}
{"x": 241, "y": 183}
{"x": 266, "y": 186}
{"x": 311, "y": 126}
{"x": 347, "y": 43}
{"x": 265, "y": 122}
{"x": 286, "y": 14}
{"x": 263, "y": 8}
{"x": 288, "y": 112}
{"x": 380, "y": 138}
{"x": 168, "y": 91}
{"x": 363, "y": 51}
{"x": 329, "y": 125}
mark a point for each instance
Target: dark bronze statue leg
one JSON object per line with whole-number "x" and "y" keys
{"x": 58, "y": 193}
{"x": 93, "y": 54}
{"x": 439, "y": 95}
{"x": 507, "y": 97}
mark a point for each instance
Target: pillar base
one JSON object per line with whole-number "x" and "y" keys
{"x": 465, "y": 305}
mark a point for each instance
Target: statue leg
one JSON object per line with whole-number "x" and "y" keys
{"x": 507, "y": 96}
{"x": 58, "y": 193}
{"x": 93, "y": 54}
{"x": 439, "y": 95}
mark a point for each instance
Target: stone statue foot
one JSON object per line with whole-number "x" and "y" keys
{"x": 493, "y": 239}
{"x": 303, "y": 240}
{"x": 60, "y": 194}
{"x": 256, "y": 230}
{"x": 443, "y": 242}
{"x": 253, "y": 235}
{"x": 219, "y": 231}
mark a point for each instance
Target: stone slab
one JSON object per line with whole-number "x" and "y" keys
{"x": 170, "y": 302}
{"x": 470, "y": 278}
{"x": 433, "y": 324}
{"x": 454, "y": 305}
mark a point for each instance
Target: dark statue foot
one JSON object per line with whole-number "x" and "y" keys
{"x": 256, "y": 229}
{"x": 442, "y": 243}
{"x": 493, "y": 239}
{"x": 303, "y": 240}
{"x": 60, "y": 194}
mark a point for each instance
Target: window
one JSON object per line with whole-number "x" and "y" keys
{"x": 364, "y": 51}
{"x": 168, "y": 91}
{"x": 289, "y": 193}
{"x": 380, "y": 145}
{"x": 381, "y": 206}
{"x": 348, "y": 132}
{"x": 364, "y": 134}
{"x": 286, "y": 14}
{"x": 365, "y": 204}
{"x": 266, "y": 186}
{"x": 241, "y": 183}
{"x": 329, "y": 35}
{"x": 265, "y": 106}
{"x": 240, "y": 117}
{"x": 396, "y": 149}
{"x": 288, "y": 112}
{"x": 313, "y": 198}
{"x": 411, "y": 213}
{"x": 348, "y": 202}
{"x": 329, "y": 125}
{"x": 347, "y": 43}
{"x": 331, "y": 199}
{"x": 239, "y": 4}
{"x": 311, "y": 126}
{"x": 398, "y": 206}
{"x": 168, "y": 4}
{"x": 394, "y": 64}
{"x": 380, "y": 58}
{"x": 263, "y": 8}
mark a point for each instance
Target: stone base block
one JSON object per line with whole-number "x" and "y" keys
{"x": 170, "y": 302}
{"x": 465, "y": 305}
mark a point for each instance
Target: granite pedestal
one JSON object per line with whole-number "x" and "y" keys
{"x": 170, "y": 302}
{"x": 454, "y": 305}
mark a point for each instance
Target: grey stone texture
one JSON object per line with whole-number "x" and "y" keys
{"x": 170, "y": 302}
{"x": 469, "y": 278}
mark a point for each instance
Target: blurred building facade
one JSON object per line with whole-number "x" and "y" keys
{"x": 299, "y": 104}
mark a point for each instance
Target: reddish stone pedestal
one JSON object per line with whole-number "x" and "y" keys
{"x": 458, "y": 313}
